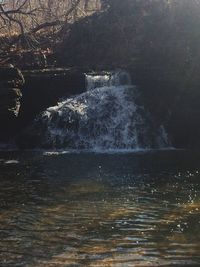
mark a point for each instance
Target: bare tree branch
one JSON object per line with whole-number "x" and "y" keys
{"x": 23, "y": 20}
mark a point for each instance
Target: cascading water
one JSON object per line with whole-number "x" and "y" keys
{"x": 116, "y": 78}
{"x": 108, "y": 116}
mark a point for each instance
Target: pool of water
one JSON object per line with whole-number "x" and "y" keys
{"x": 88, "y": 209}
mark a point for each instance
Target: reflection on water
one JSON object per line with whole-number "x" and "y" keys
{"x": 99, "y": 210}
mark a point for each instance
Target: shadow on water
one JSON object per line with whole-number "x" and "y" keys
{"x": 87, "y": 209}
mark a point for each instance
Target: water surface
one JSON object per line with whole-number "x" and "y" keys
{"x": 87, "y": 209}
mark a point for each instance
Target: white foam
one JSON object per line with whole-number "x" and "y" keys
{"x": 11, "y": 161}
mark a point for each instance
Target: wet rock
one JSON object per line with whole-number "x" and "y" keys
{"x": 10, "y": 75}
{"x": 11, "y": 80}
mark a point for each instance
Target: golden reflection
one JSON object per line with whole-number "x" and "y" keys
{"x": 106, "y": 231}
{"x": 102, "y": 216}
{"x": 85, "y": 186}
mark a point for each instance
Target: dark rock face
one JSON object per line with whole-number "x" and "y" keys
{"x": 11, "y": 80}
{"x": 44, "y": 87}
{"x": 24, "y": 96}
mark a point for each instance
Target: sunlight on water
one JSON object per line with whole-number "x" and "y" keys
{"x": 98, "y": 210}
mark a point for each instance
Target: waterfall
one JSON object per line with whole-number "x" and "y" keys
{"x": 110, "y": 115}
{"x": 116, "y": 78}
